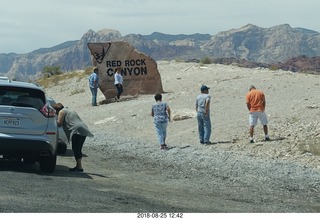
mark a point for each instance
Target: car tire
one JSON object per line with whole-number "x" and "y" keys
{"x": 48, "y": 164}
{"x": 62, "y": 147}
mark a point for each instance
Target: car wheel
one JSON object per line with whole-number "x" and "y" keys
{"x": 48, "y": 164}
{"x": 62, "y": 147}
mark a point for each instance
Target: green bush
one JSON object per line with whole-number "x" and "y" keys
{"x": 273, "y": 67}
{"x": 206, "y": 60}
{"x": 51, "y": 70}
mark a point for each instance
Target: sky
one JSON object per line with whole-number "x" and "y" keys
{"x": 27, "y": 25}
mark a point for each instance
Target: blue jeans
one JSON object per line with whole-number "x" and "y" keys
{"x": 161, "y": 129}
{"x": 119, "y": 90}
{"x": 94, "y": 92}
{"x": 204, "y": 127}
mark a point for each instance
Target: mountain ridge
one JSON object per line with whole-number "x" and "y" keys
{"x": 250, "y": 42}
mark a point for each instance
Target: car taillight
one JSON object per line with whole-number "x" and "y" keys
{"x": 48, "y": 111}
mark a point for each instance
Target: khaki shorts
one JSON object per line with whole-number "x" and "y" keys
{"x": 254, "y": 116}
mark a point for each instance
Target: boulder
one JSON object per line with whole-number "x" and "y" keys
{"x": 139, "y": 71}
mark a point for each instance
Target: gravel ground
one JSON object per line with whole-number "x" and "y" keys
{"x": 230, "y": 175}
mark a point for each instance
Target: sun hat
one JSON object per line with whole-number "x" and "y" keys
{"x": 204, "y": 87}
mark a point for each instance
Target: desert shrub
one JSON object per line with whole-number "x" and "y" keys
{"x": 179, "y": 60}
{"x": 206, "y": 60}
{"x": 51, "y": 70}
{"x": 273, "y": 67}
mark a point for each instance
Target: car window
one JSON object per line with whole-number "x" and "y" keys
{"x": 23, "y": 97}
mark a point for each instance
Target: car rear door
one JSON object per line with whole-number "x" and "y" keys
{"x": 23, "y": 114}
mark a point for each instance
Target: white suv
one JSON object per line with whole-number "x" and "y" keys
{"x": 28, "y": 127}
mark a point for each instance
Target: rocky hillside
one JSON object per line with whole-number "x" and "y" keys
{"x": 264, "y": 46}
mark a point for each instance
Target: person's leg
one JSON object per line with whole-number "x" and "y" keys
{"x": 200, "y": 127}
{"x": 94, "y": 92}
{"x": 92, "y": 100}
{"x": 266, "y": 135}
{"x": 253, "y": 119}
{"x": 251, "y": 130}
{"x": 264, "y": 121}
{"x": 79, "y": 160}
{"x": 76, "y": 156}
{"x": 95, "y": 95}
{"x": 164, "y": 132}
{"x": 118, "y": 87}
{"x": 158, "y": 127}
{"x": 120, "y": 90}
{"x": 207, "y": 129}
{"x": 77, "y": 144}
{"x": 265, "y": 129}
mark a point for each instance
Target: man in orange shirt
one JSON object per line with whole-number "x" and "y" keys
{"x": 256, "y": 104}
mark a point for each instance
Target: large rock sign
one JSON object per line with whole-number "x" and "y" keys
{"x": 140, "y": 73}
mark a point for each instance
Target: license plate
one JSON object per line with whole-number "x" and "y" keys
{"x": 13, "y": 122}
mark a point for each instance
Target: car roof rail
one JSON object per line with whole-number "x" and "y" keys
{"x": 5, "y": 78}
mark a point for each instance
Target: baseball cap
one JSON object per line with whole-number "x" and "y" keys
{"x": 204, "y": 87}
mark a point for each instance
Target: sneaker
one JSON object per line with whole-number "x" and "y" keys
{"x": 75, "y": 169}
{"x": 207, "y": 142}
{"x": 267, "y": 139}
{"x": 251, "y": 141}
{"x": 201, "y": 142}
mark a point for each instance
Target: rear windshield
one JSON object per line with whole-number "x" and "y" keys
{"x": 23, "y": 97}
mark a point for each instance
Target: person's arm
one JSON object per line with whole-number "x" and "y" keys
{"x": 248, "y": 102}
{"x": 207, "y": 107}
{"x": 248, "y": 106}
{"x": 196, "y": 105}
{"x": 61, "y": 116}
{"x": 169, "y": 113}
{"x": 95, "y": 81}
{"x": 264, "y": 103}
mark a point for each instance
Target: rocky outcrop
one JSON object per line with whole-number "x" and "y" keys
{"x": 301, "y": 64}
{"x": 139, "y": 71}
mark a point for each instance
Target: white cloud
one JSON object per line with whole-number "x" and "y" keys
{"x": 32, "y": 24}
